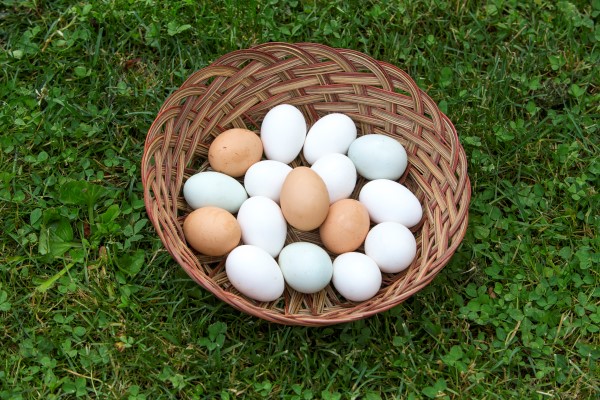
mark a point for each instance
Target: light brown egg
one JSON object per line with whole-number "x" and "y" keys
{"x": 234, "y": 151}
{"x": 346, "y": 226}
{"x": 304, "y": 199}
{"x": 212, "y": 231}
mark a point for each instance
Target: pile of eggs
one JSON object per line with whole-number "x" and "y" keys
{"x": 274, "y": 194}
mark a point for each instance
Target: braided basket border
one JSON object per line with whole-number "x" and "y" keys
{"x": 237, "y": 90}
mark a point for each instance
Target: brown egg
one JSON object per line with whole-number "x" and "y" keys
{"x": 212, "y": 231}
{"x": 304, "y": 199}
{"x": 234, "y": 151}
{"x": 345, "y": 227}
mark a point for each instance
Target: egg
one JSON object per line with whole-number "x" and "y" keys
{"x": 345, "y": 227}
{"x": 338, "y": 173}
{"x": 378, "y": 157}
{"x": 211, "y": 188}
{"x": 234, "y": 151}
{"x": 392, "y": 246}
{"x": 332, "y": 133}
{"x": 212, "y": 231}
{"x": 306, "y": 267}
{"x": 304, "y": 199}
{"x": 282, "y": 132}
{"x": 356, "y": 276}
{"x": 390, "y": 201}
{"x": 262, "y": 224}
{"x": 254, "y": 273}
{"x": 265, "y": 178}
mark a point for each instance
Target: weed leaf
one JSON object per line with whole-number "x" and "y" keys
{"x": 81, "y": 193}
{"x": 56, "y": 239}
{"x": 44, "y": 286}
{"x": 132, "y": 263}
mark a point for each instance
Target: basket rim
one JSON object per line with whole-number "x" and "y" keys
{"x": 171, "y": 109}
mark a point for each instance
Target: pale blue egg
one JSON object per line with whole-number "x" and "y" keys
{"x": 378, "y": 156}
{"x": 215, "y": 189}
{"x": 306, "y": 267}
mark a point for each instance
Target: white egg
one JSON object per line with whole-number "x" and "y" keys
{"x": 332, "y": 133}
{"x": 262, "y": 224}
{"x": 390, "y": 201}
{"x": 212, "y": 188}
{"x": 356, "y": 276}
{"x": 306, "y": 267}
{"x": 282, "y": 132}
{"x": 378, "y": 157}
{"x": 338, "y": 173}
{"x": 265, "y": 178}
{"x": 253, "y": 272}
{"x": 392, "y": 246}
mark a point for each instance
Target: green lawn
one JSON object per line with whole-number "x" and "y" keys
{"x": 91, "y": 305}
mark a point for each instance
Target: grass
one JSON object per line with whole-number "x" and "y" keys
{"x": 91, "y": 305}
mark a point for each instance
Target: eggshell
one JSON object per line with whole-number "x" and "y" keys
{"x": 378, "y": 157}
{"x": 262, "y": 224}
{"x": 212, "y": 231}
{"x": 211, "y": 188}
{"x": 253, "y": 272}
{"x": 332, "y": 133}
{"x": 306, "y": 267}
{"x": 282, "y": 132}
{"x": 392, "y": 246}
{"x": 304, "y": 199}
{"x": 265, "y": 178}
{"x": 345, "y": 227}
{"x": 390, "y": 201}
{"x": 338, "y": 173}
{"x": 234, "y": 151}
{"x": 356, "y": 276}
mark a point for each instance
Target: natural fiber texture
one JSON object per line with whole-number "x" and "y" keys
{"x": 237, "y": 90}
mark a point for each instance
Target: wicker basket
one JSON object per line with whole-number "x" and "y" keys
{"x": 237, "y": 90}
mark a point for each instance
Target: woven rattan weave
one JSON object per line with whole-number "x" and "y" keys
{"x": 237, "y": 90}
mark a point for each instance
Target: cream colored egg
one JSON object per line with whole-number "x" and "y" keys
{"x": 392, "y": 246}
{"x": 253, "y": 272}
{"x": 338, "y": 173}
{"x": 282, "y": 132}
{"x": 262, "y": 224}
{"x": 390, "y": 201}
{"x": 332, "y": 133}
{"x": 265, "y": 178}
{"x": 356, "y": 276}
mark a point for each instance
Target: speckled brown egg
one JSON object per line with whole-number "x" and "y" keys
{"x": 234, "y": 151}
{"x": 346, "y": 226}
{"x": 212, "y": 231}
{"x": 304, "y": 199}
